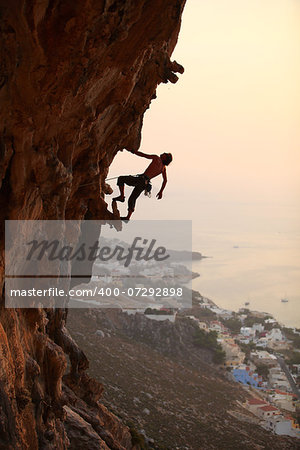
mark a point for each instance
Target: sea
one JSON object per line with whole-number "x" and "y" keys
{"x": 253, "y": 257}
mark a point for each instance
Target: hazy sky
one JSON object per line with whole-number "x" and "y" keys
{"x": 232, "y": 121}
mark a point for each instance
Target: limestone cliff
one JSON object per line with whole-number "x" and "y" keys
{"x": 76, "y": 78}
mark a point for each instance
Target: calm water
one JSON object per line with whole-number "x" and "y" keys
{"x": 260, "y": 264}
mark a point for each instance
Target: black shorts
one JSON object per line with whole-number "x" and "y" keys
{"x": 140, "y": 182}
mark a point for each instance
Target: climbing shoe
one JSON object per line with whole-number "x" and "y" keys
{"x": 119, "y": 199}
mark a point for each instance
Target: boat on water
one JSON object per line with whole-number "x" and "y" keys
{"x": 284, "y": 300}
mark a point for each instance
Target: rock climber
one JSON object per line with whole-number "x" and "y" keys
{"x": 142, "y": 182}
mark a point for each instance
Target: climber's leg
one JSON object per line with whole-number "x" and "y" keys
{"x": 121, "y": 197}
{"x": 128, "y": 216}
{"x": 132, "y": 200}
{"x": 130, "y": 181}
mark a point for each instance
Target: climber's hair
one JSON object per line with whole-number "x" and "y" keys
{"x": 168, "y": 158}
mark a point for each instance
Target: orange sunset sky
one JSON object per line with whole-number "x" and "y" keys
{"x": 232, "y": 119}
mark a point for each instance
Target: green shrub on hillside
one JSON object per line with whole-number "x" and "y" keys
{"x": 209, "y": 341}
{"x": 233, "y": 324}
{"x": 294, "y": 359}
{"x": 263, "y": 370}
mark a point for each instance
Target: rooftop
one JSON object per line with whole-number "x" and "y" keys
{"x": 256, "y": 401}
{"x": 268, "y": 408}
{"x": 283, "y": 393}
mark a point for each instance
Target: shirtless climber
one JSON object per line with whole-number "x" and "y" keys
{"x": 142, "y": 182}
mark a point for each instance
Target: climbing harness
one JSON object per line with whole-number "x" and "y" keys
{"x": 148, "y": 185}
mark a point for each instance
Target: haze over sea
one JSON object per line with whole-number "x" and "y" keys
{"x": 232, "y": 124}
{"x": 255, "y": 258}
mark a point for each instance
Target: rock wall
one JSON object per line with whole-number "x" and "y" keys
{"x": 76, "y": 78}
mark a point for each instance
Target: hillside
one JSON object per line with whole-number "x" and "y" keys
{"x": 156, "y": 378}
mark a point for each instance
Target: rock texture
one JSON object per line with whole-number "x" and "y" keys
{"x": 76, "y": 78}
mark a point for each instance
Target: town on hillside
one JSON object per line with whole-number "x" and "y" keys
{"x": 262, "y": 355}
{"x": 252, "y": 347}
{"x": 256, "y": 351}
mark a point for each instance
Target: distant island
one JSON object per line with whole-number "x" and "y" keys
{"x": 185, "y": 255}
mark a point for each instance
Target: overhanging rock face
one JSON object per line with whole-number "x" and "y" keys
{"x": 76, "y": 78}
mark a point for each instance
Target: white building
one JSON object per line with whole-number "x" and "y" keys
{"x": 278, "y": 379}
{"x": 267, "y": 411}
{"x": 215, "y": 325}
{"x": 244, "y": 340}
{"x": 283, "y": 400}
{"x": 264, "y": 357}
{"x": 242, "y": 317}
{"x": 262, "y": 342}
{"x": 247, "y": 331}
{"x": 270, "y": 321}
{"x": 161, "y": 317}
{"x": 297, "y": 367}
{"x": 275, "y": 335}
{"x": 215, "y": 309}
{"x": 131, "y": 311}
{"x": 234, "y": 355}
{"x": 205, "y": 305}
{"x": 258, "y": 327}
{"x": 254, "y": 403}
{"x": 280, "y": 425}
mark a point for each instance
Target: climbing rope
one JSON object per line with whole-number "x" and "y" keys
{"x": 113, "y": 178}
{"x": 94, "y": 182}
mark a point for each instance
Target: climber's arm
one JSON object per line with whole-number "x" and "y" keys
{"x": 143, "y": 155}
{"x": 164, "y": 175}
